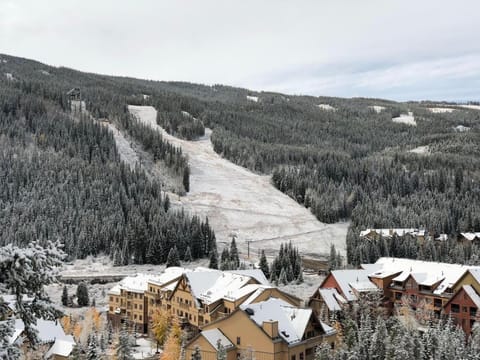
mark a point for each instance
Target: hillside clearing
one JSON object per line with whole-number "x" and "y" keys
{"x": 238, "y": 202}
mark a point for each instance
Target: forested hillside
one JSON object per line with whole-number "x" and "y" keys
{"x": 343, "y": 158}
{"x": 61, "y": 177}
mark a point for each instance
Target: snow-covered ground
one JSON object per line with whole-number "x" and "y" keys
{"x": 472, "y": 107}
{"x": 326, "y": 107}
{"x": 44, "y": 72}
{"x": 461, "y": 128}
{"x": 407, "y": 119}
{"x": 252, "y": 98}
{"x": 238, "y": 202}
{"x": 9, "y": 76}
{"x": 421, "y": 150}
{"x": 124, "y": 148}
{"x": 377, "y": 108}
{"x": 439, "y": 110}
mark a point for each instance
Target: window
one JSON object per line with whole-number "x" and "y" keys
{"x": 140, "y": 306}
{"x": 293, "y": 357}
{"x": 473, "y": 311}
{"x": 134, "y": 306}
{"x": 135, "y": 316}
{"x": 238, "y": 339}
{"x": 111, "y": 308}
{"x": 140, "y": 317}
{"x": 464, "y": 309}
{"x": 111, "y": 298}
{"x": 437, "y": 302}
{"x": 455, "y": 308}
{"x": 398, "y": 296}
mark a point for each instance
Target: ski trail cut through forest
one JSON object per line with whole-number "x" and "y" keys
{"x": 239, "y": 202}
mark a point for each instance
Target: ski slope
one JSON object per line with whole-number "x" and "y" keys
{"x": 239, "y": 202}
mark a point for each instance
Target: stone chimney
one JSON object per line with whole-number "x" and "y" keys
{"x": 271, "y": 328}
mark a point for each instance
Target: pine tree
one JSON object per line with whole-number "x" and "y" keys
{"x": 234, "y": 258}
{"x": 65, "y": 296}
{"x": 213, "y": 259}
{"x": 188, "y": 255}
{"x": 264, "y": 265}
{"x": 282, "y": 279}
{"x": 25, "y": 272}
{"x": 186, "y": 179}
{"x": 92, "y": 351}
{"x": 124, "y": 347}
{"x": 82, "y": 295}
{"x": 225, "y": 260}
{"x": 173, "y": 258}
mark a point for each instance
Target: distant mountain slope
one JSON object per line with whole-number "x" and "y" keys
{"x": 342, "y": 158}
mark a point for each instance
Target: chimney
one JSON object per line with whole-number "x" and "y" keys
{"x": 271, "y": 328}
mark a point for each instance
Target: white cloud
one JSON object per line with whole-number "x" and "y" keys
{"x": 252, "y": 43}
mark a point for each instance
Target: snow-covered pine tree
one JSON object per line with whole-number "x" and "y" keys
{"x": 213, "y": 264}
{"x": 196, "y": 354}
{"x": 92, "y": 347}
{"x": 264, "y": 265}
{"x": 24, "y": 272}
{"x": 124, "y": 346}
{"x": 65, "y": 296}
{"x": 173, "y": 259}
{"x": 82, "y": 295}
{"x": 188, "y": 255}
{"x": 234, "y": 258}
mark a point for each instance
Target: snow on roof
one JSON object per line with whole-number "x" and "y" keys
{"x": 48, "y": 330}
{"x": 471, "y": 235}
{"x": 475, "y": 273}
{"x": 213, "y": 335}
{"x": 260, "y": 289}
{"x": 363, "y": 286}
{"x": 256, "y": 274}
{"x": 472, "y": 294}
{"x": 326, "y": 107}
{"x": 61, "y": 348}
{"x": 391, "y": 232}
{"x": 226, "y": 285}
{"x": 425, "y": 272}
{"x": 243, "y": 291}
{"x": 115, "y": 290}
{"x": 201, "y": 281}
{"x": 345, "y": 279}
{"x": 292, "y": 321}
{"x": 332, "y": 298}
{"x": 168, "y": 275}
{"x": 252, "y": 98}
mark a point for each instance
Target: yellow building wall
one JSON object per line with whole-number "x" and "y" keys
{"x": 467, "y": 279}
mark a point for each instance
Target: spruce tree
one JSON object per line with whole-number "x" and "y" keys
{"x": 172, "y": 258}
{"x": 82, "y": 294}
{"x": 92, "y": 348}
{"x": 221, "y": 351}
{"x": 196, "y": 354}
{"x": 213, "y": 259}
{"x": 264, "y": 265}
{"x": 65, "y": 296}
{"x": 124, "y": 346}
{"x": 188, "y": 255}
{"x": 234, "y": 258}
{"x": 225, "y": 260}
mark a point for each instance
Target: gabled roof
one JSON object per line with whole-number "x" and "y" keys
{"x": 472, "y": 294}
{"x": 391, "y": 232}
{"x": 424, "y": 272}
{"x": 48, "y": 331}
{"x": 139, "y": 282}
{"x": 332, "y": 299}
{"x": 61, "y": 348}
{"x": 471, "y": 235}
{"x": 213, "y": 335}
{"x": 256, "y": 274}
{"x": 292, "y": 321}
{"x": 350, "y": 279}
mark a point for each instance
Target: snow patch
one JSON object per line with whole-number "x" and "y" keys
{"x": 252, "y": 98}
{"x": 461, "y": 128}
{"x": 9, "y": 76}
{"x": 145, "y": 96}
{"x": 407, "y": 119}
{"x": 125, "y": 150}
{"x": 377, "y": 108}
{"x": 239, "y": 202}
{"x": 472, "y": 107}
{"x": 44, "y": 72}
{"x": 326, "y": 107}
{"x": 4, "y": 61}
{"x": 440, "y": 110}
{"x": 421, "y": 150}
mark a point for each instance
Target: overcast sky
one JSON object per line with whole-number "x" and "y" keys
{"x": 422, "y": 49}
